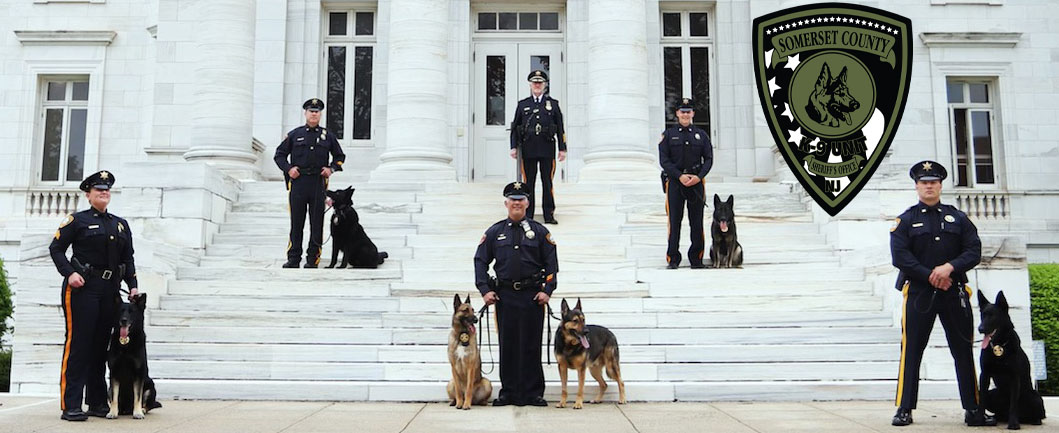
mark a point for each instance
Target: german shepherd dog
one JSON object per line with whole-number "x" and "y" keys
{"x": 467, "y": 386}
{"x": 131, "y": 389}
{"x": 1003, "y": 361}
{"x": 830, "y": 103}
{"x": 578, "y": 346}
{"x": 348, "y": 236}
{"x": 725, "y": 251}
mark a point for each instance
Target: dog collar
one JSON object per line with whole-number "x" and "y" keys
{"x": 465, "y": 338}
{"x": 123, "y": 340}
{"x": 998, "y": 350}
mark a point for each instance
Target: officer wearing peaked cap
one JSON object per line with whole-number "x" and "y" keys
{"x": 933, "y": 246}
{"x": 102, "y": 258}
{"x": 524, "y": 259}
{"x": 535, "y": 131}
{"x": 308, "y": 156}
{"x": 686, "y": 156}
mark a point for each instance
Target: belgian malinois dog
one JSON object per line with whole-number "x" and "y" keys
{"x": 578, "y": 346}
{"x": 467, "y": 386}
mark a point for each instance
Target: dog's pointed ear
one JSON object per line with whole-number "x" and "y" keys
{"x": 140, "y": 300}
{"x": 716, "y": 200}
{"x": 578, "y": 306}
{"x": 842, "y": 75}
{"x": 468, "y": 301}
{"x": 456, "y": 302}
{"x": 564, "y": 307}
{"x": 825, "y": 75}
{"x": 1001, "y": 301}
{"x": 730, "y": 201}
{"x": 982, "y": 300}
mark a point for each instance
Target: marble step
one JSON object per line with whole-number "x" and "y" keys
{"x": 205, "y": 288}
{"x": 281, "y": 238}
{"x": 280, "y": 207}
{"x": 388, "y": 271}
{"x": 312, "y": 319}
{"x": 356, "y": 303}
{"x": 705, "y": 289}
{"x": 443, "y": 290}
{"x": 275, "y": 255}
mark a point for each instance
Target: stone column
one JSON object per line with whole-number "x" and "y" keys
{"x": 417, "y": 91}
{"x": 222, "y": 121}
{"x": 619, "y": 143}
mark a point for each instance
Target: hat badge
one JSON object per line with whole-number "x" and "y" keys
{"x": 685, "y": 100}
{"x": 518, "y": 185}
{"x": 928, "y": 166}
{"x": 103, "y": 175}
{"x": 537, "y": 73}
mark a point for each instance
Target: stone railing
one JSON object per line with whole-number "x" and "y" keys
{"x": 47, "y": 203}
{"x": 994, "y": 206}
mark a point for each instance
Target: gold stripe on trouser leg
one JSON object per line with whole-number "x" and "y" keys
{"x": 704, "y": 216}
{"x": 552, "y": 177}
{"x": 289, "y": 243}
{"x": 668, "y": 228}
{"x": 974, "y": 373}
{"x": 66, "y": 348}
{"x": 904, "y": 344}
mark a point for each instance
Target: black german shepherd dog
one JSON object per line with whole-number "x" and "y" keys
{"x": 348, "y": 236}
{"x": 1003, "y": 361}
{"x": 131, "y": 389}
{"x": 578, "y": 346}
{"x": 725, "y": 252}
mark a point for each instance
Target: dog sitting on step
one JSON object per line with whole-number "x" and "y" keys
{"x": 725, "y": 252}
{"x": 467, "y": 386}
{"x": 1005, "y": 363}
{"x": 132, "y": 390}
{"x": 578, "y": 346}
{"x": 348, "y": 236}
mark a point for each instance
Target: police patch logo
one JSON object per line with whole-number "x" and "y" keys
{"x": 833, "y": 80}
{"x": 897, "y": 222}
{"x": 69, "y": 219}
{"x": 950, "y": 219}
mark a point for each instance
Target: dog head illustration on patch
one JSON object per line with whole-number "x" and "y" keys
{"x": 833, "y": 79}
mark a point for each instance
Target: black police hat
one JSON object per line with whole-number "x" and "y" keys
{"x": 313, "y": 105}
{"x": 538, "y": 75}
{"x": 928, "y": 170}
{"x": 516, "y": 191}
{"x": 98, "y": 180}
{"x": 686, "y": 104}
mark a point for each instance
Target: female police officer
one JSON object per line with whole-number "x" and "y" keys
{"x": 102, "y": 258}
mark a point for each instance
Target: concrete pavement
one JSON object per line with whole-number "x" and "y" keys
{"x": 35, "y": 414}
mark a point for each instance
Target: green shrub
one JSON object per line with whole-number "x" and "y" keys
{"x": 1044, "y": 311}
{"x": 5, "y": 370}
{"x": 5, "y": 312}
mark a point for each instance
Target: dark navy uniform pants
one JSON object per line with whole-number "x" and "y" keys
{"x": 694, "y": 197}
{"x": 306, "y": 195}
{"x": 89, "y": 312}
{"x": 520, "y": 322}
{"x": 921, "y": 306}
{"x": 529, "y": 176}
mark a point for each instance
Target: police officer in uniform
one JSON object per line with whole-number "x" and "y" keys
{"x": 308, "y": 148}
{"x": 525, "y": 266}
{"x": 538, "y": 125}
{"x": 686, "y": 156}
{"x": 102, "y": 259}
{"x": 934, "y": 245}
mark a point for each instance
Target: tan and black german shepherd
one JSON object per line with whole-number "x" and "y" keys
{"x": 578, "y": 346}
{"x": 467, "y": 386}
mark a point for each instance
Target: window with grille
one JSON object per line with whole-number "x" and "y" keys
{"x": 686, "y": 52}
{"x": 63, "y": 124}
{"x": 349, "y": 51}
{"x": 972, "y": 124}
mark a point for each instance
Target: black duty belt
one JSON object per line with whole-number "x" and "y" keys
{"x": 106, "y": 274}
{"x": 519, "y": 284}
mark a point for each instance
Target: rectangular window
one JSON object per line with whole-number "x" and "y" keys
{"x": 349, "y": 57}
{"x": 64, "y": 116}
{"x": 686, "y": 46}
{"x": 518, "y": 21}
{"x": 971, "y": 114}
{"x": 495, "y": 92}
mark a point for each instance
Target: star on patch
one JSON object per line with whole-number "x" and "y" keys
{"x": 103, "y": 175}
{"x": 928, "y": 166}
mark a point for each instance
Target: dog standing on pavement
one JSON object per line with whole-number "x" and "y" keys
{"x": 1005, "y": 363}
{"x": 725, "y": 252}
{"x": 131, "y": 388}
{"x": 578, "y": 346}
{"x": 348, "y": 235}
{"x": 467, "y": 386}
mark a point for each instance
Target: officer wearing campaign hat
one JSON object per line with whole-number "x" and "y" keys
{"x": 525, "y": 262}
{"x": 308, "y": 156}
{"x": 535, "y": 131}
{"x": 686, "y": 156}
{"x": 934, "y": 246}
{"x": 101, "y": 260}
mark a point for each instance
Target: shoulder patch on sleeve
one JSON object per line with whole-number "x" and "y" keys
{"x": 57, "y": 232}
{"x": 897, "y": 222}
{"x": 69, "y": 219}
{"x": 482, "y": 241}
{"x": 549, "y": 238}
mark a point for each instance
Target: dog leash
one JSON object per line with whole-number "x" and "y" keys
{"x": 484, "y": 311}
{"x": 551, "y": 315}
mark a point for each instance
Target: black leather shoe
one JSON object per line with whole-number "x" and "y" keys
{"x": 697, "y": 266}
{"x": 672, "y": 265}
{"x": 74, "y": 415}
{"x": 502, "y": 402}
{"x": 291, "y": 264}
{"x": 98, "y": 411}
{"x": 310, "y": 266}
{"x": 538, "y": 401}
{"x": 550, "y": 220}
{"x": 978, "y": 418}
{"x": 903, "y": 417}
